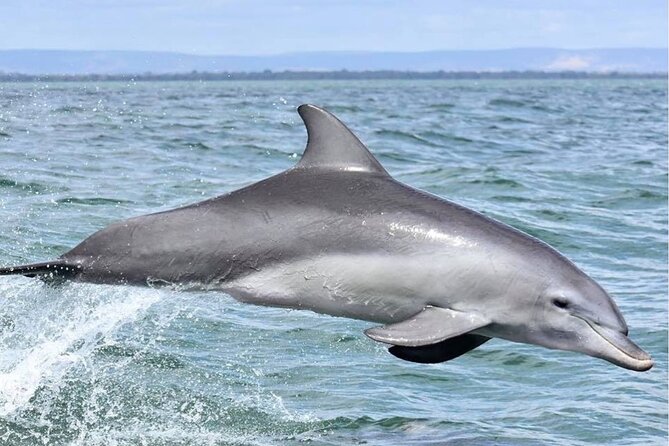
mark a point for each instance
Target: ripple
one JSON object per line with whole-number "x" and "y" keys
{"x": 497, "y": 181}
{"x": 32, "y": 187}
{"x": 94, "y": 201}
{"x": 69, "y": 109}
{"x": 510, "y": 198}
{"x": 443, "y": 106}
{"x": 446, "y": 138}
{"x": 411, "y": 137}
{"x": 513, "y": 119}
{"x": 506, "y": 102}
{"x": 341, "y": 108}
{"x": 631, "y": 199}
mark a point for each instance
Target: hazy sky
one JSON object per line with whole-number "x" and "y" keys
{"x": 267, "y": 26}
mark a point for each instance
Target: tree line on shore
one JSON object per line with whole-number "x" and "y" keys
{"x": 325, "y": 75}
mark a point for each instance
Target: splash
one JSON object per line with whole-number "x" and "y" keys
{"x": 48, "y": 331}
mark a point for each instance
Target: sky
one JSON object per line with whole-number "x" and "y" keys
{"x": 257, "y": 27}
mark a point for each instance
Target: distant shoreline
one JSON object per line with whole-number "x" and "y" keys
{"x": 268, "y": 75}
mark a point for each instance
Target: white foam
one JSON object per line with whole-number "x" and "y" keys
{"x": 57, "y": 329}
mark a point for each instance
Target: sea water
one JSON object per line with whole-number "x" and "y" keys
{"x": 581, "y": 164}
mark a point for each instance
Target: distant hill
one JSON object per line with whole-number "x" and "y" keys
{"x": 630, "y": 60}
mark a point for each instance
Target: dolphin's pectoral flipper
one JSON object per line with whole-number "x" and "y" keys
{"x": 430, "y": 326}
{"x": 441, "y": 351}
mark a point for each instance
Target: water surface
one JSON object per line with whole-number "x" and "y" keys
{"x": 580, "y": 164}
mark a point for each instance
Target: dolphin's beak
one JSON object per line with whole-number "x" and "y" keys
{"x": 615, "y": 347}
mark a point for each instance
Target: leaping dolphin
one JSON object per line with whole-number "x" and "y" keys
{"x": 336, "y": 234}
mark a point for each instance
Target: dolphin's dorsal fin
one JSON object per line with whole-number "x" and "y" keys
{"x": 432, "y": 325}
{"x": 331, "y": 145}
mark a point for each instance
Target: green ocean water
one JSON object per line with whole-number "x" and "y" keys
{"x": 581, "y": 164}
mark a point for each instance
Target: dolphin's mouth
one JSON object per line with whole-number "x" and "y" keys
{"x": 620, "y": 349}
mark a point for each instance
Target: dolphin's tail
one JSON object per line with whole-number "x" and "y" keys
{"x": 59, "y": 268}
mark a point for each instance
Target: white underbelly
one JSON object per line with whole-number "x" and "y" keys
{"x": 378, "y": 288}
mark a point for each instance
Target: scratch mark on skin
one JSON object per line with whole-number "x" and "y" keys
{"x": 419, "y": 232}
{"x": 266, "y": 216}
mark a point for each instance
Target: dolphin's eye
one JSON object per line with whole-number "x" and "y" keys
{"x": 560, "y": 302}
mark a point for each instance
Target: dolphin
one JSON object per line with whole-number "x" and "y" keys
{"x": 336, "y": 234}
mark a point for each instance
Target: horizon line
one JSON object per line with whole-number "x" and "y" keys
{"x": 269, "y": 75}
